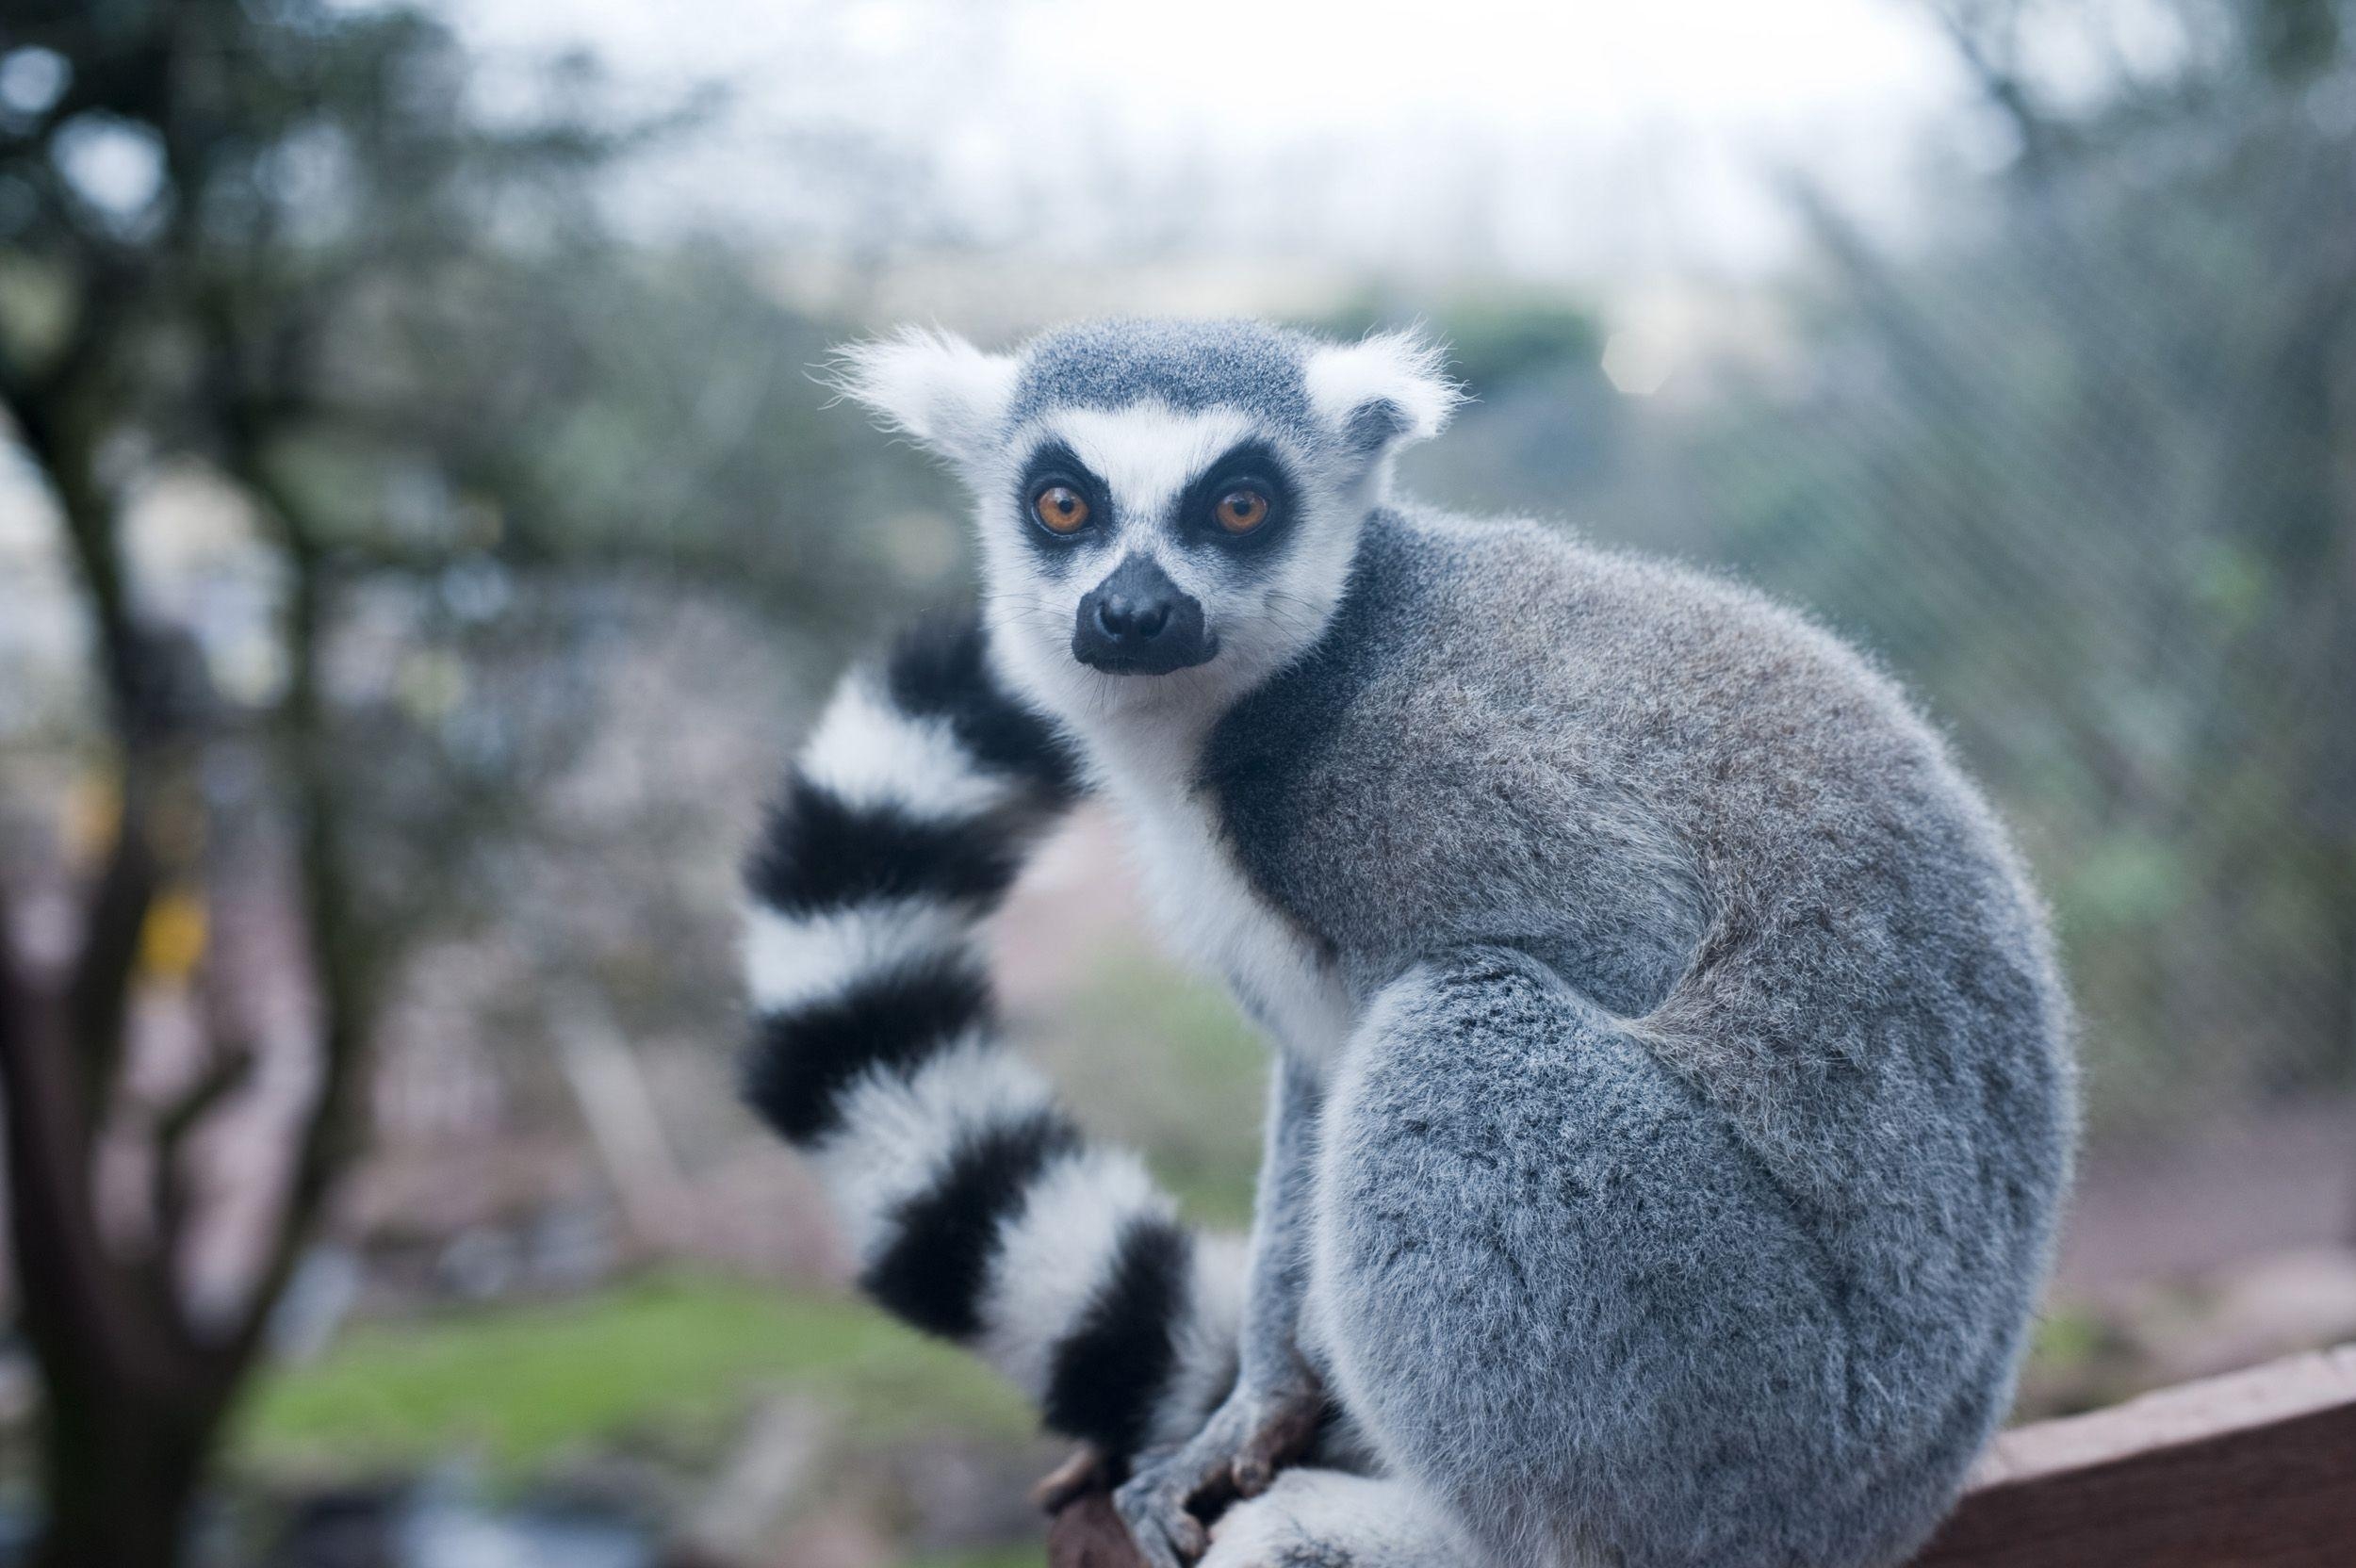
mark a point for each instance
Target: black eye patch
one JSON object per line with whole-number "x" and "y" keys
{"x": 1248, "y": 466}
{"x": 1055, "y": 463}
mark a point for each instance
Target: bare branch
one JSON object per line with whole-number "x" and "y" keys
{"x": 229, "y": 1071}
{"x": 98, "y": 992}
{"x": 2000, "y": 84}
{"x": 77, "y": 1317}
{"x": 341, "y": 970}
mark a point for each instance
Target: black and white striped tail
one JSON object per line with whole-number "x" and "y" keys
{"x": 976, "y": 1209}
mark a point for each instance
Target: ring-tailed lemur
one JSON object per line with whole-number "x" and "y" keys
{"x": 1674, "y": 1092}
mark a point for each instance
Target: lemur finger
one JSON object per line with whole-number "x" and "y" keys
{"x": 1167, "y": 1533}
{"x": 1083, "y": 1473}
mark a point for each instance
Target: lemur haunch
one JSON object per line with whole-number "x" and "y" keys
{"x": 1673, "y": 1090}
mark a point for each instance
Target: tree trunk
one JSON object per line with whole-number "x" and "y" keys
{"x": 131, "y": 1403}
{"x": 121, "y": 1470}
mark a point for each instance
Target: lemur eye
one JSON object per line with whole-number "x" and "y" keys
{"x": 1241, "y": 511}
{"x": 1061, "y": 508}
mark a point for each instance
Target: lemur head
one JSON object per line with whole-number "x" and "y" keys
{"x": 1168, "y": 510}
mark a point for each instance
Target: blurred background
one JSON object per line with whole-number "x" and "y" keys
{"x": 422, "y": 539}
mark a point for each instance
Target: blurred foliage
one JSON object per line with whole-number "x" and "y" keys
{"x": 1494, "y": 339}
{"x": 1159, "y": 1060}
{"x": 365, "y": 441}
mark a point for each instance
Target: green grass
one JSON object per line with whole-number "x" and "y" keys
{"x": 2065, "y": 1339}
{"x": 674, "y": 1359}
{"x": 1000, "y": 1557}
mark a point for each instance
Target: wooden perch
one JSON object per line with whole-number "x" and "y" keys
{"x": 2255, "y": 1469}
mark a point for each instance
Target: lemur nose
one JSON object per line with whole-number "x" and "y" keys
{"x": 1121, "y": 617}
{"x": 1139, "y": 622}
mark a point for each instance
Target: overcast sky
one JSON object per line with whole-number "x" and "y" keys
{"x": 1564, "y": 141}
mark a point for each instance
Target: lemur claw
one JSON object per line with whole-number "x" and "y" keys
{"x": 1167, "y": 1534}
{"x": 1236, "y": 1454}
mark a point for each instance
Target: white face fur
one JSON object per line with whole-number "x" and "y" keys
{"x": 1159, "y": 492}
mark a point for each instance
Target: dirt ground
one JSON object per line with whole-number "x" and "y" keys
{"x": 2280, "y": 1180}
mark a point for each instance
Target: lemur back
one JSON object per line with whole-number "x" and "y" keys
{"x": 1674, "y": 1094}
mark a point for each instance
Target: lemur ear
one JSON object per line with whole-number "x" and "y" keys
{"x": 932, "y": 386}
{"x": 1384, "y": 391}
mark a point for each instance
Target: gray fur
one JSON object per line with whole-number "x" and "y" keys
{"x": 1186, "y": 365}
{"x": 1676, "y": 1090}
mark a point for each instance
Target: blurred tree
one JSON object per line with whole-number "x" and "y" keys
{"x": 2187, "y": 236}
{"x": 2126, "y": 401}
{"x": 152, "y": 162}
{"x": 280, "y": 240}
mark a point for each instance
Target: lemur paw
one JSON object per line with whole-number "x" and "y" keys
{"x": 1236, "y": 1454}
{"x": 1320, "y": 1519}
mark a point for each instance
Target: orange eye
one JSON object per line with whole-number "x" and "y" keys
{"x": 1242, "y": 510}
{"x": 1063, "y": 509}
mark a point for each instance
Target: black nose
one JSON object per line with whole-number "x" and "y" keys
{"x": 1139, "y": 622}
{"x": 1119, "y": 617}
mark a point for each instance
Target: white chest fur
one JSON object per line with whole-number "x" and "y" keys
{"x": 1210, "y": 913}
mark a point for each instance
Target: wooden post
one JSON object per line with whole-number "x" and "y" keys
{"x": 2254, "y": 1469}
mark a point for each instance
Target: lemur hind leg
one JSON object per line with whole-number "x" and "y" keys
{"x": 1562, "y": 1297}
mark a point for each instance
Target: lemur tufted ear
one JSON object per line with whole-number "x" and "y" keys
{"x": 1384, "y": 391}
{"x": 932, "y": 386}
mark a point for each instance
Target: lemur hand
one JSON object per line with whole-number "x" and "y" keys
{"x": 1262, "y": 1426}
